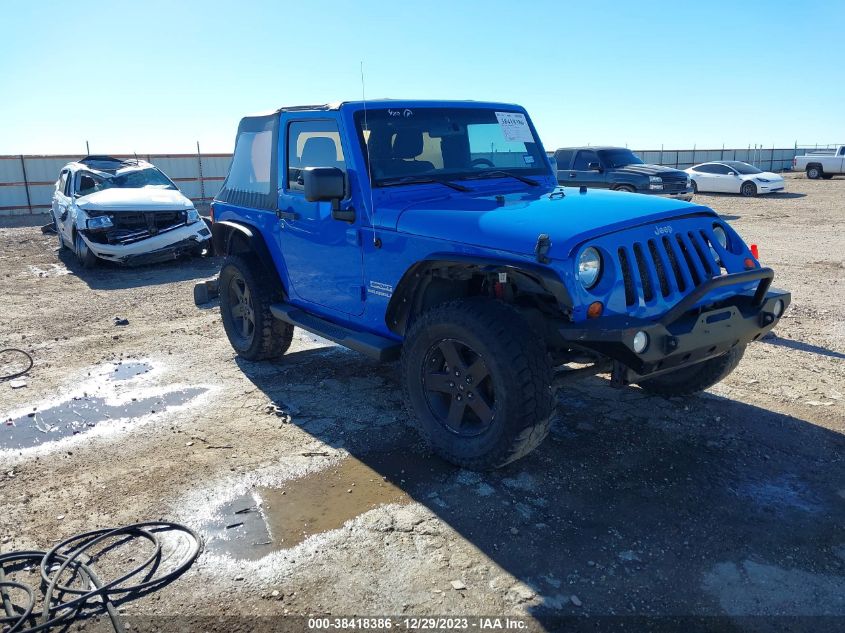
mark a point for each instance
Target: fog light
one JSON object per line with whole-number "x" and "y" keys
{"x": 778, "y": 308}
{"x": 640, "y": 342}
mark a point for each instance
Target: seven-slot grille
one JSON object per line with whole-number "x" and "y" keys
{"x": 666, "y": 265}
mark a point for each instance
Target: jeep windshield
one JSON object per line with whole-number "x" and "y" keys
{"x": 613, "y": 158}
{"x": 413, "y": 145}
{"x": 91, "y": 182}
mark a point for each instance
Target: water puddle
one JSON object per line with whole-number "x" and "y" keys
{"x": 110, "y": 394}
{"x": 265, "y": 520}
{"x": 125, "y": 371}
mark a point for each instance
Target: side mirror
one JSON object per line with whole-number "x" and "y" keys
{"x": 327, "y": 184}
{"x": 323, "y": 184}
{"x": 594, "y": 166}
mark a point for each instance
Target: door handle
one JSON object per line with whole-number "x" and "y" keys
{"x": 287, "y": 215}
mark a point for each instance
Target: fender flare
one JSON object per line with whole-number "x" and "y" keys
{"x": 224, "y": 233}
{"x": 415, "y": 279}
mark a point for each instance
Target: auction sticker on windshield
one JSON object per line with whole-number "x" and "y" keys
{"x": 515, "y": 127}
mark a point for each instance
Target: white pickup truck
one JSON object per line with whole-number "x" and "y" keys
{"x": 821, "y": 164}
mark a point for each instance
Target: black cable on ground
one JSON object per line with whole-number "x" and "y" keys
{"x": 91, "y": 596}
{"x": 20, "y": 373}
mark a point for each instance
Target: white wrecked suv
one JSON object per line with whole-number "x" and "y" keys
{"x": 125, "y": 211}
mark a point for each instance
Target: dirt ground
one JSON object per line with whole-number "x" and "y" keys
{"x": 730, "y": 504}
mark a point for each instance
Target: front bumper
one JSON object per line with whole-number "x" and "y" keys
{"x": 684, "y": 335}
{"x": 162, "y": 247}
{"x": 771, "y": 187}
{"x": 678, "y": 195}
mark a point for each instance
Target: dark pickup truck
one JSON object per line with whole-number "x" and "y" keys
{"x": 620, "y": 169}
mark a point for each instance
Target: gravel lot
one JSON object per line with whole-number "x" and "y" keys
{"x": 727, "y": 504}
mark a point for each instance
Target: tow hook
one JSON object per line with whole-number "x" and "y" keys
{"x": 766, "y": 318}
{"x": 670, "y": 344}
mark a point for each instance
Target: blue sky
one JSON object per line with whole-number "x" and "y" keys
{"x": 157, "y": 76}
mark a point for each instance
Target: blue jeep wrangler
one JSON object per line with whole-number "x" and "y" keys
{"x": 436, "y": 231}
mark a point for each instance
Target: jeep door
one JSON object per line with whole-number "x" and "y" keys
{"x": 587, "y": 170}
{"x": 323, "y": 255}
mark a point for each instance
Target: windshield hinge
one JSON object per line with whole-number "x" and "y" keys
{"x": 541, "y": 250}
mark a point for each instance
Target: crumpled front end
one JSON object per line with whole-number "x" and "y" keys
{"x": 136, "y": 237}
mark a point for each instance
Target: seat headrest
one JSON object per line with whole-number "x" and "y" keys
{"x": 407, "y": 144}
{"x": 319, "y": 151}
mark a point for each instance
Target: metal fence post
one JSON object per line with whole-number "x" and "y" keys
{"x": 660, "y": 160}
{"x": 26, "y": 185}
{"x": 199, "y": 164}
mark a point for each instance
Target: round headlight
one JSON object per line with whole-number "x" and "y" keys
{"x": 589, "y": 267}
{"x": 721, "y": 235}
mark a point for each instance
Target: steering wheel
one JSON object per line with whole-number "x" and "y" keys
{"x": 482, "y": 162}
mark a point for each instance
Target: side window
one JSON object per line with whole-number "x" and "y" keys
{"x": 250, "y": 170}
{"x": 68, "y": 189}
{"x": 842, "y": 151}
{"x": 61, "y": 183}
{"x": 583, "y": 160}
{"x": 87, "y": 183}
{"x": 706, "y": 169}
{"x": 563, "y": 158}
{"x": 723, "y": 170}
{"x": 312, "y": 144}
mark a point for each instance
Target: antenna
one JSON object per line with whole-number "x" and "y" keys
{"x": 376, "y": 240}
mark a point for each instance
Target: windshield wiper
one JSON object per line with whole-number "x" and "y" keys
{"x": 411, "y": 180}
{"x": 496, "y": 173}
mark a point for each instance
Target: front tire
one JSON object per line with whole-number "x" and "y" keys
{"x": 814, "y": 172}
{"x": 625, "y": 188}
{"x": 695, "y": 378}
{"x": 748, "y": 189}
{"x": 245, "y": 299}
{"x": 83, "y": 254}
{"x": 479, "y": 383}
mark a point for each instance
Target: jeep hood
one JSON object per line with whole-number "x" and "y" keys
{"x": 514, "y": 222}
{"x": 141, "y": 199}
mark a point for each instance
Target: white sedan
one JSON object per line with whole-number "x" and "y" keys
{"x": 733, "y": 176}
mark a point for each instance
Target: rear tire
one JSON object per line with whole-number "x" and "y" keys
{"x": 814, "y": 172}
{"x": 748, "y": 189}
{"x": 694, "y": 187}
{"x": 478, "y": 382}
{"x": 83, "y": 254}
{"x": 695, "y": 378}
{"x": 245, "y": 299}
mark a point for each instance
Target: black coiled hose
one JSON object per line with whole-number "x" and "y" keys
{"x": 65, "y": 558}
{"x": 15, "y": 350}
